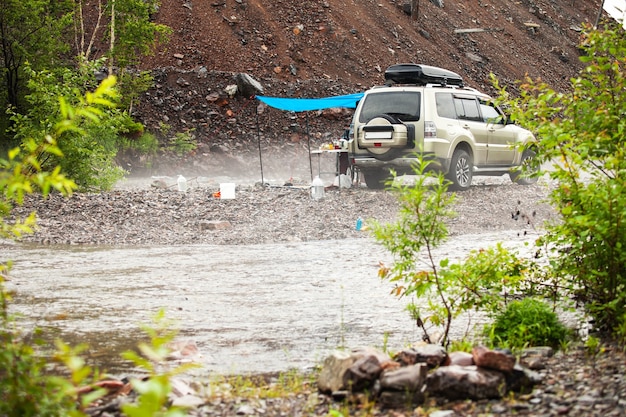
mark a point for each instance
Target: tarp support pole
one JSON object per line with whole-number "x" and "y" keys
{"x": 308, "y": 139}
{"x": 258, "y": 135}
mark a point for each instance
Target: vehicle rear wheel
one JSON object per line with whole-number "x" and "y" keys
{"x": 375, "y": 178}
{"x": 524, "y": 175}
{"x": 460, "y": 173}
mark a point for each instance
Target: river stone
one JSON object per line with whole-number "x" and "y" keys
{"x": 443, "y": 413}
{"x": 543, "y": 351}
{"x": 188, "y": 401}
{"x": 363, "y": 373}
{"x": 399, "y": 399}
{"x": 465, "y": 382}
{"x": 431, "y": 354}
{"x": 493, "y": 359}
{"x": 522, "y": 379}
{"x": 407, "y": 379}
{"x": 460, "y": 358}
{"x": 333, "y": 369}
{"x": 215, "y": 225}
{"x": 535, "y": 357}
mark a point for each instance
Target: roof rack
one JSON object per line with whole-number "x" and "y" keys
{"x": 421, "y": 75}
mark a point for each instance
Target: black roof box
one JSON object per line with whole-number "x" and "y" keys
{"x": 422, "y": 75}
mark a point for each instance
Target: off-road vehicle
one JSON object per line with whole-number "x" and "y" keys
{"x": 427, "y": 111}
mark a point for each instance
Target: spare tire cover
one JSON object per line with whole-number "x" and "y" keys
{"x": 387, "y": 152}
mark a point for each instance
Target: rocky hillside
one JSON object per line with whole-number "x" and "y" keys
{"x": 325, "y": 47}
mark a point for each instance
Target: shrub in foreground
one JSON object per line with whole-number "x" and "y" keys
{"x": 527, "y": 322}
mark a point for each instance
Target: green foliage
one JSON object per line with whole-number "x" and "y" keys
{"x": 421, "y": 227}
{"x": 182, "y": 143}
{"x": 80, "y": 375}
{"x": 527, "y": 322}
{"x": 487, "y": 277}
{"x": 442, "y": 291}
{"x": 135, "y": 34}
{"x": 582, "y": 138}
{"x": 22, "y": 173}
{"x": 593, "y": 346}
{"x": 146, "y": 144}
{"x": 132, "y": 85}
{"x": 32, "y": 32}
{"x": 620, "y": 330}
{"x": 153, "y": 390}
{"x": 463, "y": 345}
{"x": 21, "y": 379}
{"x": 26, "y": 389}
{"x": 88, "y": 148}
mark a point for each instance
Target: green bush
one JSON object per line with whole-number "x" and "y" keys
{"x": 582, "y": 138}
{"x": 527, "y": 322}
{"x": 183, "y": 143}
{"x": 88, "y": 150}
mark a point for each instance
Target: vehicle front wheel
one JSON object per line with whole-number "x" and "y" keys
{"x": 525, "y": 174}
{"x": 460, "y": 173}
{"x": 375, "y": 179}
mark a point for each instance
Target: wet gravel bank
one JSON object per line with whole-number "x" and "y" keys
{"x": 575, "y": 384}
{"x": 147, "y": 215}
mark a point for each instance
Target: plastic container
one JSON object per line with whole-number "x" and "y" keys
{"x": 182, "y": 183}
{"x": 227, "y": 191}
{"x": 359, "y": 224}
{"x": 317, "y": 188}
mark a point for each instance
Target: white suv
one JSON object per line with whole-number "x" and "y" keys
{"x": 427, "y": 110}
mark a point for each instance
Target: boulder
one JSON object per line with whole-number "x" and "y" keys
{"x": 535, "y": 357}
{"x": 466, "y": 382}
{"x": 406, "y": 379}
{"x": 363, "y": 373}
{"x": 247, "y": 86}
{"x": 333, "y": 369}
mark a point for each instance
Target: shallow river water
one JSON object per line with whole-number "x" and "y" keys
{"x": 248, "y": 308}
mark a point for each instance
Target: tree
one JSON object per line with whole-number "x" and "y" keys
{"x": 30, "y": 31}
{"x": 582, "y": 138}
{"x": 123, "y": 32}
{"x": 442, "y": 291}
{"x": 89, "y": 152}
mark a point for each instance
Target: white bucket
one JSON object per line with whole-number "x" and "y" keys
{"x": 227, "y": 191}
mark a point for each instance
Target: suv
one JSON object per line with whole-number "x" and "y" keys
{"x": 427, "y": 111}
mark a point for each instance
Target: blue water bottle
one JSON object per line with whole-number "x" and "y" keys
{"x": 359, "y": 223}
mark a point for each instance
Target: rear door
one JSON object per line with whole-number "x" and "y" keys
{"x": 501, "y": 138}
{"x": 470, "y": 119}
{"x": 387, "y": 122}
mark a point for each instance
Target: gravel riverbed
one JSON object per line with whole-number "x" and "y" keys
{"x": 139, "y": 213}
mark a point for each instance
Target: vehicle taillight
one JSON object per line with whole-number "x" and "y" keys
{"x": 430, "y": 130}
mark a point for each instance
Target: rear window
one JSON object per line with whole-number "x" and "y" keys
{"x": 405, "y": 105}
{"x": 445, "y": 105}
{"x": 467, "y": 108}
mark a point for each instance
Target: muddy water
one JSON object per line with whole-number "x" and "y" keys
{"x": 257, "y": 308}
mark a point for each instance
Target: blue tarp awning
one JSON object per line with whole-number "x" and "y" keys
{"x": 309, "y": 104}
